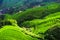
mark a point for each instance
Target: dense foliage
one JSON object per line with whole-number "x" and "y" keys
{"x": 11, "y": 6}
{"x": 40, "y": 23}
{"x": 36, "y": 13}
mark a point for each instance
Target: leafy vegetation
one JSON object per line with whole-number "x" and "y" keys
{"x": 14, "y": 33}
{"x": 36, "y": 13}
{"x": 40, "y": 23}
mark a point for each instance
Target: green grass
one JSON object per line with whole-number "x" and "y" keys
{"x": 57, "y": 14}
{"x": 13, "y": 33}
{"x": 53, "y": 33}
{"x": 40, "y": 23}
{"x": 8, "y": 22}
{"x": 36, "y": 13}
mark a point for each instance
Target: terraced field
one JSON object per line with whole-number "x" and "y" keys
{"x": 40, "y": 23}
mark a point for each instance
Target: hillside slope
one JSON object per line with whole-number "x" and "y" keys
{"x": 39, "y": 23}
